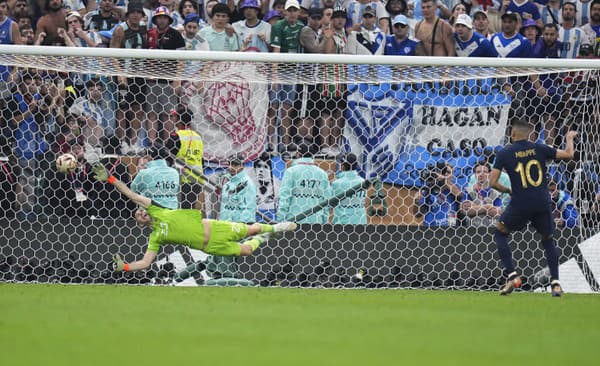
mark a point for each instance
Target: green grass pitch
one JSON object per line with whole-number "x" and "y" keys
{"x": 137, "y": 325}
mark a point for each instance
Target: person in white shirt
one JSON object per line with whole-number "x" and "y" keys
{"x": 572, "y": 37}
{"x": 193, "y": 41}
{"x": 220, "y": 35}
{"x": 75, "y": 36}
{"x": 253, "y": 34}
{"x": 369, "y": 39}
{"x": 356, "y": 9}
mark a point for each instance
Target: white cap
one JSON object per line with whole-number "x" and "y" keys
{"x": 291, "y": 4}
{"x": 400, "y": 19}
{"x": 465, "y": 20}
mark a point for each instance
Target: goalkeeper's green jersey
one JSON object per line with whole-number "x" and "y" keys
{"x": 183, "y": 227}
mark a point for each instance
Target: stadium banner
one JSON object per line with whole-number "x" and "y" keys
{"x": 397, "y": 132}
{"x": 231, "y": 117}
{"x": 70, "y": 250}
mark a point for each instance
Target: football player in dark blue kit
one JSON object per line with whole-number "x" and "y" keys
{"x": 525, "y": 163}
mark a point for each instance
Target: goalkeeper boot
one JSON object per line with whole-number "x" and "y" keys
{"x": 284, "y": 226}
{"x": 556, "y": 288}
{"x": 513, "y": 282}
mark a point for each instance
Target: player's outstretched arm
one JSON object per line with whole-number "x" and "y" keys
{"x": 569, "y": 152}
{"x": 146, "y": 262}
{"x": 495, "y": 184}
{"x": 101, "y": 174}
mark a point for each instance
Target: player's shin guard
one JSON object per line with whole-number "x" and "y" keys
{"x": 504, "y": 251}
{"x": 551, "y": 257}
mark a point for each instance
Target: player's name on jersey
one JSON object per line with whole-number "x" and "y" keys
{"x": 525, "y": 153}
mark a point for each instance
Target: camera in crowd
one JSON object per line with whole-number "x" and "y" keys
{"x": 430, "y": 176}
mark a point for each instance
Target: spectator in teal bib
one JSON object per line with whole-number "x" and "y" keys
{"x": 350, "y": 210}
{"x": 304, "y": 186}
{"x": 238, "y": 200}
{"x": 157, "y": 181}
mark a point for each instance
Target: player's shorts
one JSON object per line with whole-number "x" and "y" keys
{"x": 541, "y": 219}
{"x": 224, "y": 238}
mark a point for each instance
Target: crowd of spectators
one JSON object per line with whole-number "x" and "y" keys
{"x": 45, "y": 113}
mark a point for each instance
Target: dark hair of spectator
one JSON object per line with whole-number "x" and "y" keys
{"x": 3, "y": 1}
{"x": 220, "y": 8}
{"x": 551, "y": 25}
{"x": 402, "y": 11}
{"x": 594, "y": 2}
{"x": 278, "y": 2}
{"x": 194, "y": 4}
{"x": 482, "y": 163}
{"x": 570, "y": 3}
{"x": 24, "y": 27}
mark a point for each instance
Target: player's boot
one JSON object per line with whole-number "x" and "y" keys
{"x": 513, "y": 282}
{"x": 284, "y": 226}
{"x": 556, "y": 288}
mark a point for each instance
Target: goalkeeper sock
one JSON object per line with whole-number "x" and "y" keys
{"x": 551, "y": 257}
{"x": 504, "y": 251}
{"x": 256, "y": 241}
{"x": 266, "y": 228}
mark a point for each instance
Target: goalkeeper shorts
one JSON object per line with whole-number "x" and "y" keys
{"x": 225, "y": 237}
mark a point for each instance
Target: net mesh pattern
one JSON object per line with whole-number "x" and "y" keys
{"x": 403, "y": 125}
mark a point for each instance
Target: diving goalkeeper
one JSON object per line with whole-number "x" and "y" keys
{"x": 187, "y": 227}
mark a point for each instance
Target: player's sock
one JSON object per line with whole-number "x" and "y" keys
{"x": 266, "y": 228}
{"x": 504, "y": 251}
{"x": 257, "y": 240}
{"x": 551, "y": 257}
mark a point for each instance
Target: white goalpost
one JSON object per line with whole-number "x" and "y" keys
{"x": 404, "y": 118}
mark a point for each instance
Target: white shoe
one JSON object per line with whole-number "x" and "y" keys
{"x": 284, "y": 226}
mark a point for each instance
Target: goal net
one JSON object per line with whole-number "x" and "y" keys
{"x": 230, "y": 125}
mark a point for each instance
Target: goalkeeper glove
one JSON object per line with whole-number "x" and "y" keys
{"x": 118, "y": 263}
{"x": 100, "y": 172}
